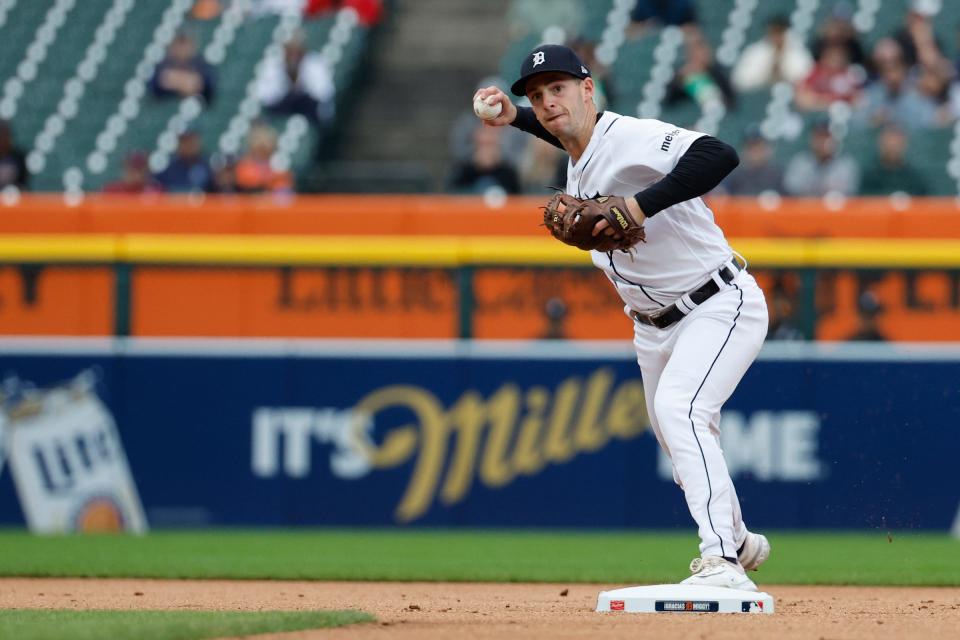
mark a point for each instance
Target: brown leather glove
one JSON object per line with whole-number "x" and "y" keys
{"x": 571, "y": 220}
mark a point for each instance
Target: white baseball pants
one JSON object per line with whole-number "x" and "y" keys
{"x": 689, "y": 370}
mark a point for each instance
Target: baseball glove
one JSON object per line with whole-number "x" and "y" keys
{"x": 571, "y": 220}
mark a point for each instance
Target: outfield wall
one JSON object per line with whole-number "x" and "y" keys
{"x": 493, "y": 434}
{"x": 443, "y": 267}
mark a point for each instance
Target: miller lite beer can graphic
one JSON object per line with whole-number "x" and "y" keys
{"x": 62, "y": 447}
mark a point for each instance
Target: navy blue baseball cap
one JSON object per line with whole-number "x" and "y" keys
{"x": 549, "y": 57}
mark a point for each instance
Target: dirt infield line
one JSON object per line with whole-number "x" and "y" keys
{"x": 468, "y": 611}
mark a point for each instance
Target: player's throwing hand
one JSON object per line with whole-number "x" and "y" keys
{"x": 493, "y": 96}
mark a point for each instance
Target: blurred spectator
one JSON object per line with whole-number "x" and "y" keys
{"x": 758, "y": 171}
{"x": 526, "y": 17}
{"x": 13, "y": 163}
{"x": 224, "y": 168}
{"x": 183, "y": 73}
{"x": 838, "y": 29}
{"x": 370, "y": 12}
{"x": 666, "y": 12}
{"x": 188, "y": 170}
{"x": 890, "y": 172}
{"x": 916, "y": 37}
{"x": 895, "y": 98}
{"x": 868, "y": 313}
{"x": 832, "y": 78}
{"x": 700, "y": 78}
{"x": 513, "y": 142}
{"x": 934, "y": 85}
{"x": 956, "y": 47}
{"x": 820, "y": 170}
{"x": 299, "y": 82}
{"x": 603, "y": 85}
{"x": 783, "y": 321}
{"x": 778, "y": 56}
{"x": 487, "y": 167}
{"x": 206, "y": 9}
{"x": 543, "y": 167}
{"x": 555, "y": 311}
{"x": 136, "y": 176}
{"x": 255, "y": 173}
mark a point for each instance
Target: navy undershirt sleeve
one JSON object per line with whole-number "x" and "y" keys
{"x": 527, "y": 121}
{"x": 700, "y": 169}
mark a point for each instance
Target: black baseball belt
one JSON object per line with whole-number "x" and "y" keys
{"x": 663, "y": 318}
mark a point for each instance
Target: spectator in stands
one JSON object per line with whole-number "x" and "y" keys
{"x": 820, "y": 170}
{"x": 555, "y": 312}
{"x": 778, "y": 56}
{"x": 206, "y": 9}
{"x": 188, "y": 171}
{"x": 681, "y": 13}
{"x": 916, "y": 37}
{"x": 956, "y": 48}
{"x": 838, "y": 29}
{"x": 255, "y": 172}
{"x": 700, "y": 78}
{"x": 868, "y": 313}
{"x": 136, "y": 176}
{"x": 542, "y": 167}
{"x": 586, "y": 50}
{"x": 758, "y": 171}
{"x": 183, "y": 73}
{"x": 487, "y": 167}
{"x": 224, "y": 168}
{"x": 13, "y": 163}
{"x": 782, "y": 316}
{"x": 895, "y": 98}
{"x": 890, "y": 172}
{"x": 833, "y": 78}
{"x": 513, "y": 142}
{"x": 299, "y": 82}
{"x": 370, "y": 12}
{"x": 533, "y": 17}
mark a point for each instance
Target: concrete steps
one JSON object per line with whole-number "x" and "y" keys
{"x": 423, "y": 75}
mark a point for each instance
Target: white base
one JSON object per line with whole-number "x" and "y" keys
{"x": 682, "y": 598}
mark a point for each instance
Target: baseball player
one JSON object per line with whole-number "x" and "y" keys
{"x": 699, "y": 318}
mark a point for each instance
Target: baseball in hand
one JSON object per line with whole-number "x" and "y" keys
{"x": 485, "y": 111}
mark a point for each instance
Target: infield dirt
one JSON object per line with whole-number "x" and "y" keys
{"x": 465, "y": 611}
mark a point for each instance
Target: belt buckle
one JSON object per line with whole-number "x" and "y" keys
{"x": 644, "y": 318}
{"x": 659, "y": 313}
{"x": 654, "y": 319}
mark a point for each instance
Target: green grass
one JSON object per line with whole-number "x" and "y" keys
{"x": 494, "y": 556}
{"x": 36, "y": 624}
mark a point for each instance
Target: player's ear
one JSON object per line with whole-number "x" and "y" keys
{"x": 588, "y": 88}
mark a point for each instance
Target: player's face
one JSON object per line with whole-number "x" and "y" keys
{"x": 560, "y": 102}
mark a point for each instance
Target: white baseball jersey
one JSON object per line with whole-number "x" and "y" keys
{"x": 691, "y": 367}
{"x": 626, "y": 155}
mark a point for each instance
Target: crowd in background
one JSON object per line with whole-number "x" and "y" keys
{"x": 300, "y": 82}
{"x": 905, "y": 82}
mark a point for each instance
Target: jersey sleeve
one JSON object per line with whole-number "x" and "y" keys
{"x": 653, "y": 144}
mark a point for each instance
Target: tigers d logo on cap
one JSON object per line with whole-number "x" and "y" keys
{"x": 549, "y": 57}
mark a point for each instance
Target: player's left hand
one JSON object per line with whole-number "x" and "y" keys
{"x": 604, "y": 223}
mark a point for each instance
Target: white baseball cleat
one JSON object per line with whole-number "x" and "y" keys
{"x": 754, "y": 552}
{"x": 714, "y": 571}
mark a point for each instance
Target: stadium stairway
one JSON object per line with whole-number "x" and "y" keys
{"x": 423, "y": 74}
